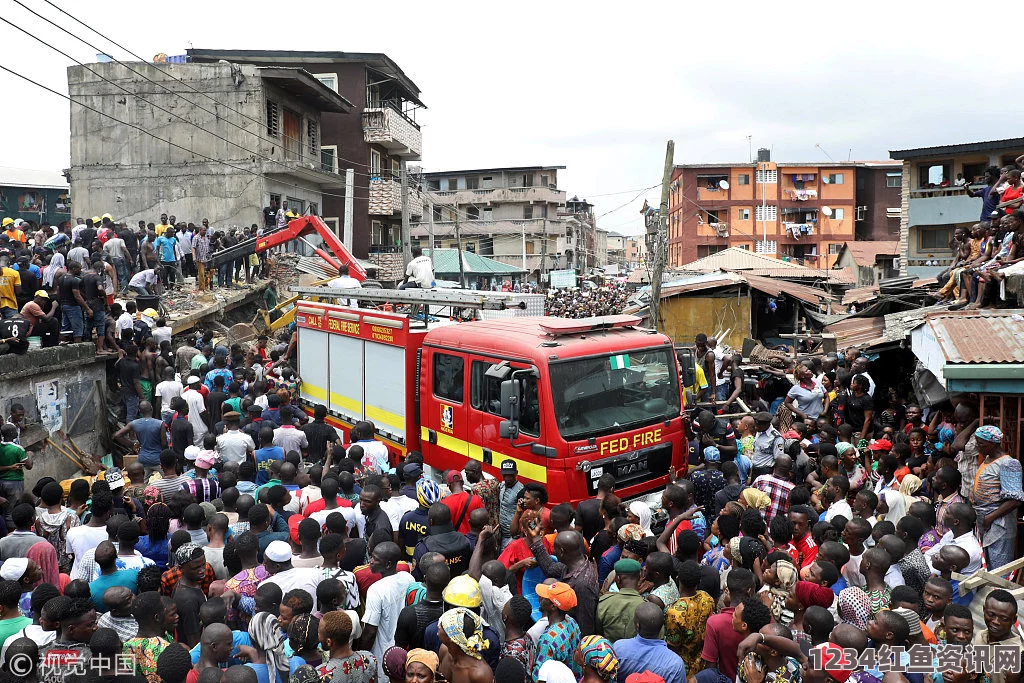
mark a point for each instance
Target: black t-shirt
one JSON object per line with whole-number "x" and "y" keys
{"x": 413, "y": 621}
{"x": 16, "y": 332}
{"x": 87, "y": 237}
{"x": 128, "y": 370}
{"x": 131, "y": 241}
{"x": 214, "y": 404}
{"x": 182, "y": 435}
{"x": 67, "y": 287}
{"x": 188, "y": 600}
{"x": 855, "y": 408}
{"x": 92, "y": 291}
{"x": 319, "y": 434}
{"x": 588, "y": 516}
{"x": 269, "y": 217}
{"x": 29, "y": 283}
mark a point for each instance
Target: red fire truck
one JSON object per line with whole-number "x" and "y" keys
{"x": 567, "y": 400}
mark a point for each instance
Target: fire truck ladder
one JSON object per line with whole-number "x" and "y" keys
{"x": 455, "y": 299}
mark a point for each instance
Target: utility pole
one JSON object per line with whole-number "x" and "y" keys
{"x": 430, "y": 212}
{"x": 458, "y": 241}
{"x": 350, "y": 189}
{"x": 406, "y": 233}
{"x": 661, "y": 239}
{"x": 543, "y": 252}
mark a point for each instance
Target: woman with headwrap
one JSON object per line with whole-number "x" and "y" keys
{"x": 892, "y": 505}
{"x": 45, "y": 556}
{"x": 639, "y": 513}
{"x": 421, "y": 666}
{"x": 352, "y": 666}
{"x": 597, "y": 657}
{"x": 267, "y": 656}
{"x": 754, "y": 499}
{"x": 909, "y": 487}
{"x": 53, "y": 273}
{"x": 393, "y": 664}
{"x": 780, "y": 580}
{"x": 304, "y": 639}
{"x": 462, "y": 636}
{"x": 553, "y": 671}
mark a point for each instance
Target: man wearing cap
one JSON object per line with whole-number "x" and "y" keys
{"x": 40, "y": 312}
{"x": 615, "y": 609}
{"x": 573, "y": 567}
{"x": 196, "y": 409}
{"x": 562, "y": 636}
{"x": 277, "y": 558}
{"x": 460, "y": 501}
{"x": 995, "y": 494}
{"x": 508, "y": 495}
{"x": 711, "y": 431}
{"x": 768, "y": 445}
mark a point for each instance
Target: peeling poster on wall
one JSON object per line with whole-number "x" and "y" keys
{"x": 51, "y": 405}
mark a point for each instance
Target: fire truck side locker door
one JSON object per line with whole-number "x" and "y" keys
{"x": 384, "y": 387}
{"x": 346, "y": 376}
{"x": 313, "y": 357}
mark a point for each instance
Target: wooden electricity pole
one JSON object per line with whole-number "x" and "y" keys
{"x": 661, "y": 239}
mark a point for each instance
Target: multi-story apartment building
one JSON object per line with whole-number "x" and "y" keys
{"x": 800, "y": 212}
{"x": 210, "y": 169}
{"x": 514, "y": 215}
{"x": 374, "y": 139}
{"x": 938, "y": 187}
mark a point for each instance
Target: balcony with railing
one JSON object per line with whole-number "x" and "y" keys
{"x": 386, "y": 198}
{"x": 388, "y": 127}
{"x": 541, "y": 194}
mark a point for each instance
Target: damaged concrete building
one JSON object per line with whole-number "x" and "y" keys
{"x": 228, "y": 138}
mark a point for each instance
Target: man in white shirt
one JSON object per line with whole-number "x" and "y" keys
{"x": 961, "y": 519}
{"x": 345, "y": 281}
{"x": 860, "y": 367}
{"x": 287, "y": 436}
{"x": 168, "y": 389}
{"x": 126, "y": 320}
{"x": 282, "y": 220}
{"x": 837, "y": 489}
{"x": 384, "y": 601}
{"x": 196, "y": 410}
{"x": 234, "y": 445}
{"x": 277, "y": 558}
{"x": 420, "y": 271}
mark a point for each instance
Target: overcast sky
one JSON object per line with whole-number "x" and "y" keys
{"x": 595, "y": 87}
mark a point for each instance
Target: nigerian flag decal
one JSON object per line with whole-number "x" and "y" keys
{"x": 619, "y": 362}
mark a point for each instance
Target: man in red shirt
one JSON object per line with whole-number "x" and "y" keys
{"x": 720, "y": 638}
{"x": 801, "y": 517}
{"x": 460, "y": 502}
{"x": 40, "y": 314}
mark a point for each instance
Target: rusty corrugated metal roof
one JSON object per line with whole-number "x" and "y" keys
{"x": 979, "y": 336}
{"x": 857, "y": 331}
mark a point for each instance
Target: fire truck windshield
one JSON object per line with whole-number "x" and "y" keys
{"x": 611, "y": 394}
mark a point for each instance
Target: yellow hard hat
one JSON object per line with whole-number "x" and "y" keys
{"x": 108, "y": 216}
{"x": 8, "y": 221}
{"x": 150, "y": 313}
{"x": 95, "y": 220}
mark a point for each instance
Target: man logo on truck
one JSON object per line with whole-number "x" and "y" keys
{"x": 447, "y": 418}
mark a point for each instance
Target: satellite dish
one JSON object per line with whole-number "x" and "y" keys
{"x": 724, "y": 184}
{"x": 825, "y": 179}
{"x": 827, "y": 211}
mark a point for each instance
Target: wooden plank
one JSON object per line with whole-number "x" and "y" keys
{"x": 81, "y": 410}
{"x": 979, "y": 578}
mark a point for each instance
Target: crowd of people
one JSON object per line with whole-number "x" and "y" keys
{"x": 585, "y": 302}
{"x": 249, "y": 542}
{"x": 61, "y": 281}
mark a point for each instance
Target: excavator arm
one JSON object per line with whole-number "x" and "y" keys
{"x": 296, "y": 229}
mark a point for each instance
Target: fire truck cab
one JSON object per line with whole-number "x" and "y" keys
{"x": 567, "y": 400}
